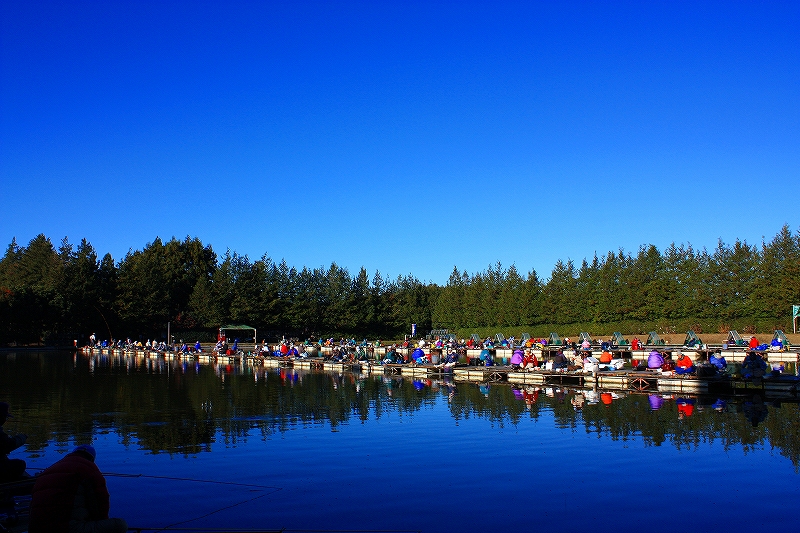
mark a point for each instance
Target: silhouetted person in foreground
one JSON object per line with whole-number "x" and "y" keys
{"x": 71, "y": 497}
{"x": 10, "y": 469}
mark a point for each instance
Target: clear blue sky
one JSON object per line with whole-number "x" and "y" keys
{"x": 405, "y": 137}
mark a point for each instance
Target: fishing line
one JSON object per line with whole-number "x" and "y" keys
{"x": 232, "y": 483}
{"x": 140, "y": 529}
{"x": 114, "y": 474}
{"x": 166, "y": 528}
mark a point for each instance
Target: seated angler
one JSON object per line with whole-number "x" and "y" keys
{"x": 72, "y": 496}
{"x": 718, "y": 361}
{"x": 486, "y": 357}
{"x": 419, "y": 357}
{"x": 517, "y": 358}
{"x": 655, "y": 360}
{"x": 391, "y": 355}
{"x": 559, "y": 361}
{"x": 753, "y": 366}
{"x": 10, "y": 469}
{"x": 529, "y": 359}
{"x": 684, "y": 365}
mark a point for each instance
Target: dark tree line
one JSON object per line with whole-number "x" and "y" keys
{"x": 58, "y": 294}
{"x": 740, "y": 285}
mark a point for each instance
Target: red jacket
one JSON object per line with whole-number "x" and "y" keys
{"x": 54, "y": 494}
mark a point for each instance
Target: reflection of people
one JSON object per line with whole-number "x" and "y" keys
{"x": 685, "y": 407}
{"x": 656, "y": 402}
{"x": 755, "y": 410}
{"x": 10, "y": 469}
{"x": 71, "y": 496}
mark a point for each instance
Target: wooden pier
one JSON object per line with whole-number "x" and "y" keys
{"x": 782, "y": 386}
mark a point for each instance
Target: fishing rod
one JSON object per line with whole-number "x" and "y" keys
{"x": 193, "y": 480}
{"x": 284, "y": 530}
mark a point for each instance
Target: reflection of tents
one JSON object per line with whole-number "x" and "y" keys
{"x": 223, "y": 330}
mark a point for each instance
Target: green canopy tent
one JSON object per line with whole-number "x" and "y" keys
{"x": 224, "y": 331}
{"x": 619, "y": 340}
{"x": 734, "y": 339}
{"x": 654, "y": 340}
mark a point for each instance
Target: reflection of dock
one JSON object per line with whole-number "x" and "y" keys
{"x": 782, "y": 386}
{"x": 636, "y": 380}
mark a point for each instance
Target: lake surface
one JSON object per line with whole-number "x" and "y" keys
{"x": 203, "y": 446}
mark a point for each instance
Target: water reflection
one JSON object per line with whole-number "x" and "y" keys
{"x": 182, "y": 407}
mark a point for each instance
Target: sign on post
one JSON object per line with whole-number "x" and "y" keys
{"x": 413, "y": 330}
{"x": 795, "y": 316}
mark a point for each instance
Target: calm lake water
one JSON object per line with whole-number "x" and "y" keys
{"x": 192, "y": 445}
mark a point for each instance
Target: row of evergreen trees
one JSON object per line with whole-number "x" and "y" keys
{"x": 57, "y": 295}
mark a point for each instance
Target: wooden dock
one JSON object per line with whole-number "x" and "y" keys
{"x": 783, "y": 386}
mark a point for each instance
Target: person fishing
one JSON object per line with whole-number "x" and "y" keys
{"x": 71, "y": 497}
{"x": 10, "y": 469}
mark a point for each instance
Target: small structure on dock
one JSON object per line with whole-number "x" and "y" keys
{"x": 692, "y": 340}
{"x": 781, "y": 337}
{"x": 584, "y": 336}
{"x": 734, "y": 339}
{"x": 619, "y": 340}
{"x": 654, "y": 340}
{"x": 554, "y": 339}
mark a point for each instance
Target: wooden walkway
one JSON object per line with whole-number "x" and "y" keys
{"x": 784, "y": 386}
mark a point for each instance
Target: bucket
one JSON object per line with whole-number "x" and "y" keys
{"x": 435, "y": 358}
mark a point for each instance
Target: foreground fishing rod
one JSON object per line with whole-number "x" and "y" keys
{"x": 193, "y": 480}
{"x": 284, "y": 530}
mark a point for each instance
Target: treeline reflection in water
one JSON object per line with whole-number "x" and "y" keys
{"x": 183, "y": 407}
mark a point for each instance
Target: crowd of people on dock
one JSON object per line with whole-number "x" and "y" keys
{"x": 448, "y": 351}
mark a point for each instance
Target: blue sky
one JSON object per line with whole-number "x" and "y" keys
{"x": 405, "y": 137}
